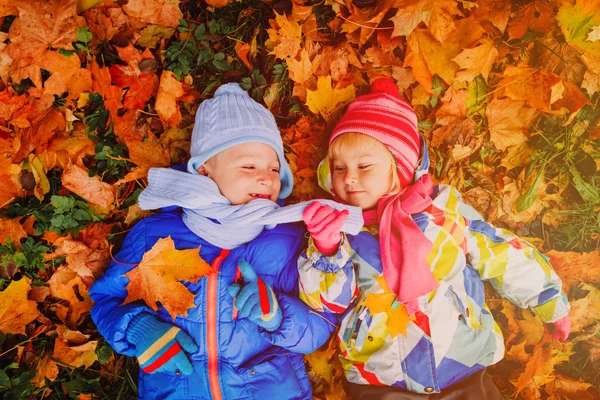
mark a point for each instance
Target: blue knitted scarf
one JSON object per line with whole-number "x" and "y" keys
{"x": 209, "y": 214}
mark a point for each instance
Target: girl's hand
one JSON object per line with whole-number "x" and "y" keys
{"x": 324, "y": 224}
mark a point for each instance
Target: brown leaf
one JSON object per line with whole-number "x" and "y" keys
{"x": 148, "y": 154}
{"x": 585, "y": 311}
{"x": 563, "y": 387}
{"x": 494, "y": 11}
{"x": 581, "y": 267}
{"x": 537, "y": 16}
{"x": 92, "y": 189}
{"x": 45, "y": 369}
{"x": 16, "y": 310}
{"x": 95, "y": 235}
{"x": 156, "y": 278}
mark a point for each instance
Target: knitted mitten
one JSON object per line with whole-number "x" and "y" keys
{"x": 159, "y": 345}
{"x": 324, "y": 225}
{"x": 256, "y": 300}
{"x": 560, "y": 329}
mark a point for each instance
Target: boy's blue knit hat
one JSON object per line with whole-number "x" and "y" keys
{"x": 230, "y": 118}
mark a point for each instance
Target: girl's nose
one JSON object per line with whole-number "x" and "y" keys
{"x": 350, "y": 178}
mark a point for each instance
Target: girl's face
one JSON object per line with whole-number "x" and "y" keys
{"x": 362, "y": 175}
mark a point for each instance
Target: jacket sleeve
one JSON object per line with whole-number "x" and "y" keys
{"x": 108, "y": 292}
{"x": 327, "y": 283}
{"x": 302, "y": 329}
{"x": 516, "y": 269}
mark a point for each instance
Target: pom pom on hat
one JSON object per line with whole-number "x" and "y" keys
{"x": 386, "y": 86}
{"x": 230, "y": 88}
{"x": 384, "y": 116}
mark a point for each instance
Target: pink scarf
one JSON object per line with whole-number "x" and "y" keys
{"x": 404, "y": 248}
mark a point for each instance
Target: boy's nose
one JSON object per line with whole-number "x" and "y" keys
{"x": 264, "y": 178}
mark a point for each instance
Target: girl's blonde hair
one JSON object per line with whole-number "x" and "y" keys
{"x": 359, "y": 140}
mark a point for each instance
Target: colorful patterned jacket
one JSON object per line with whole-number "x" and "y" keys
{"x": 453, "y": 334}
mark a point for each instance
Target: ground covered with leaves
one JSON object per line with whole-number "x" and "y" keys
{"x": 93, "y": 94}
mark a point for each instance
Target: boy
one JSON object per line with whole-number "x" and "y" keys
{"x": 219, "y": 351}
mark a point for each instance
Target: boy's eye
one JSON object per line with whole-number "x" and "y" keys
{"x": 276, "y": 170}
{"x": 248, "y": 167}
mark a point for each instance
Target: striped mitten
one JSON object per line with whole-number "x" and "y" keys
{"x": 256, "y": 300}
{"x": 159, "y": 345}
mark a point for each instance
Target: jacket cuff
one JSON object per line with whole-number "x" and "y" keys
{"x": 552, "y": 310}
{"x": 329, "y": 263}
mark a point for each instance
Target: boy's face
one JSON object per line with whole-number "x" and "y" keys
{"x": 361, "y": 176}
{"x": 245, "y": 172}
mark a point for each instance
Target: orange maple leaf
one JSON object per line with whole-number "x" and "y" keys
{"x": 13, "y": 230}
{"x": 43, "y": 25}
{"x": 76, "y": 179}
{"x": 536, "y": 87}
{"x": 157, "y": 12}
{"x": 67, "y": 75}
{"x": 68, "y": 285}
{"x": 156, "y": 278}
{"x": 16, "y": 310}
{"x": 166, "y": 105}
{"x": 537, "y": 16}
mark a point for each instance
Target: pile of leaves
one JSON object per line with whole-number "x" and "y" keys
{"x": 93, "y": 94}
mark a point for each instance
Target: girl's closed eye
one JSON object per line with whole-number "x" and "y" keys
{"x": 364, "y": 166}
{"x": 338, "y": 168}
{"x": 248, "y": 166}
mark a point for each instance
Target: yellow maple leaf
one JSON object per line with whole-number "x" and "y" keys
{"x": 16, "y": 310}
{"x": 508, "y": 121}
{"x": 437, "y": 15}
{"x": 477, "y": 60}
{"x": 284, "y": 37}
{"x": 156, "y": 278}
{"x": 326, "y": 99}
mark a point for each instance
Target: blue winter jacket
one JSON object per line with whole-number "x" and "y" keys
{"x": 251, "y": 361}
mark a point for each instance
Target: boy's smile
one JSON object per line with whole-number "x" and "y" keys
{"x": 245, "y": 172}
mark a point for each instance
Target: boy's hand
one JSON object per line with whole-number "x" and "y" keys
{"x": 324, "y": 224}
{"x": 256, "y": 300}
{"x": 159, "y": 345}
{"x": 560, "y": 329}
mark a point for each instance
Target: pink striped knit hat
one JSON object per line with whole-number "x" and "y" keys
{"x": 384, "y": 116}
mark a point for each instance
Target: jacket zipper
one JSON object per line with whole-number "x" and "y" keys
{"x": 211, "y": 327}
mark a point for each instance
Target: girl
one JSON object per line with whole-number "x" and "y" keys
{"x": 408, "y": 289}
